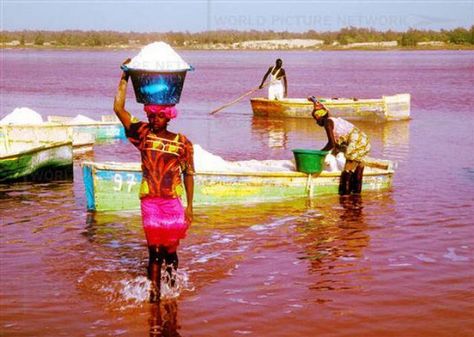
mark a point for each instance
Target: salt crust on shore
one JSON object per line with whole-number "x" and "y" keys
{"x": 158, "y": 56}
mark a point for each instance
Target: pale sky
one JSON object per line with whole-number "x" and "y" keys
{"x": 194, "y": 16}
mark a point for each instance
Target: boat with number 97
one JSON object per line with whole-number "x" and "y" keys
{"x": 113, "y": 186}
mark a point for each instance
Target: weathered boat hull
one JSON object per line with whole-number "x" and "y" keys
{"x": 115, "y": 186}
{"x": 47, "y": 133}
{"x": 50, "y": 161}
{"x": 102, "y": 131}
{"x": 108, "y": 128}
{"x": 387, "y": 108}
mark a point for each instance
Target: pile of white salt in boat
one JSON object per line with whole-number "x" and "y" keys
{"x": 21, "y": 116}
{"x": 205, "y": 161}
{"x": 27, "y": 116}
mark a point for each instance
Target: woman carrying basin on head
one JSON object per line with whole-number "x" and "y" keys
{"x": 167, "y": 160}
{"x": 343, "y": 137}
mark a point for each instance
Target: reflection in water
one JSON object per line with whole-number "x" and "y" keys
{"x": 274, "y": 131}
{"x": 396, "y": 140}
{"x": 90, "y": 226}
{"x": 334, "y": 240}
{"x": 164, "y": 319}
{"x": 103, "y": 227}
{"x": 390, "y": 139}
{"x": 353, "y": 207}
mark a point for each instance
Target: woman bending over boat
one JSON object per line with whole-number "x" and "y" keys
{"x": 166, "y": 157}
{"x": 343, "y": 137}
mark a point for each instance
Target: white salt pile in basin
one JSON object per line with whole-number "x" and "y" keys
{"x": 158, "y": 56}
{"x": 21, "y": 116}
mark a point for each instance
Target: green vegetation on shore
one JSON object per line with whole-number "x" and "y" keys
{"x": 361, "y": 38}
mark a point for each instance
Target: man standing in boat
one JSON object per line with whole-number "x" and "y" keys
{"x": 278, "y": 88}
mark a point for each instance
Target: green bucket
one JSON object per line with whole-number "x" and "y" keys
{"x": 309, "y": 161}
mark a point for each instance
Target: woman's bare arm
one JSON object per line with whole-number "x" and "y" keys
{"x": 189, "y": 187}
{"x": 329, "y": 127}
{"x": 119, "y": 101}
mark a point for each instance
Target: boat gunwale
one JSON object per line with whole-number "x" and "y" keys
{"x": 290, "y": 103}
{"x": 60, "y": 124}
{"x": 98, "y": 123}
{"x": 339, "y": 102}
{"x": 114, "y": 166}
{"x": 47, "y": 146}
{"x": 31, "y": 125}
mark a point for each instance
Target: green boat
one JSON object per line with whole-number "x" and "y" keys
{"x": 35, "y": 161}
{"x": 114, "y": 186}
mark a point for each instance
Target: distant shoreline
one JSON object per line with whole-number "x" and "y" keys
{"x": 348, "y": 38}
{"x": 214, "y": 48}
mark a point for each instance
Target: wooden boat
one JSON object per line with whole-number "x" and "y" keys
{"x": 47, "y": 133}
{"x": 35, "y": 161}
{"x": 109, "y": 127}
{"x": 115, "y": 186}
{"x": 387, "y": 108}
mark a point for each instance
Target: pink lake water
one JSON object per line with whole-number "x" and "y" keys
{"x": 394, "y": 263}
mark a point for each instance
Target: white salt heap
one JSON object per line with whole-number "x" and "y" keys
{"x": 81, "y": 119}
{"x": 208, "y": 162}
{"x": 341, "y": 161}
{"x": 334, "y": 163}
{"x": 21, "y": 116}
{"x": 330, "y": 163}
{"x": 158, "y": 56}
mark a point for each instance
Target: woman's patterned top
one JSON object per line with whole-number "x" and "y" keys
{"x": 163, "y": 161}
{"x": 342, "y": 128}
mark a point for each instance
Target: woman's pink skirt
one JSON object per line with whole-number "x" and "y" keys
{"x": 163, "y": 221}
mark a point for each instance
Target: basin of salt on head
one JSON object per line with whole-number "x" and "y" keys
{"x": 157, "y": 74}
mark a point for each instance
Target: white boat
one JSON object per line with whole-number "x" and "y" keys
{"x": 386, "y": 108}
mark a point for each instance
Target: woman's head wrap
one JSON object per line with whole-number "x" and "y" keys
{"x": 167, "y": 111}
{"x": 319, "y": 110}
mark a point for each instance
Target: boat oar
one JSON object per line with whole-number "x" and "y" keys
{"x": 237, "y": 99}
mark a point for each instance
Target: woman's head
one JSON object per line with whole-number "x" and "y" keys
{"x": 160, "y": 115}
{"x": 320, "y": 120}
{"x": 320, "y": 113}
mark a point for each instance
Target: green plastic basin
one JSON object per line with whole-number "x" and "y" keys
{"x": 309, "y": 161}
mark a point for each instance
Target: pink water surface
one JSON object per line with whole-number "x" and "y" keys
{"x": 395, "y": 263}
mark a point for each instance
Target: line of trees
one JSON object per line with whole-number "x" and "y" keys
{"x": 183, "y": 39}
